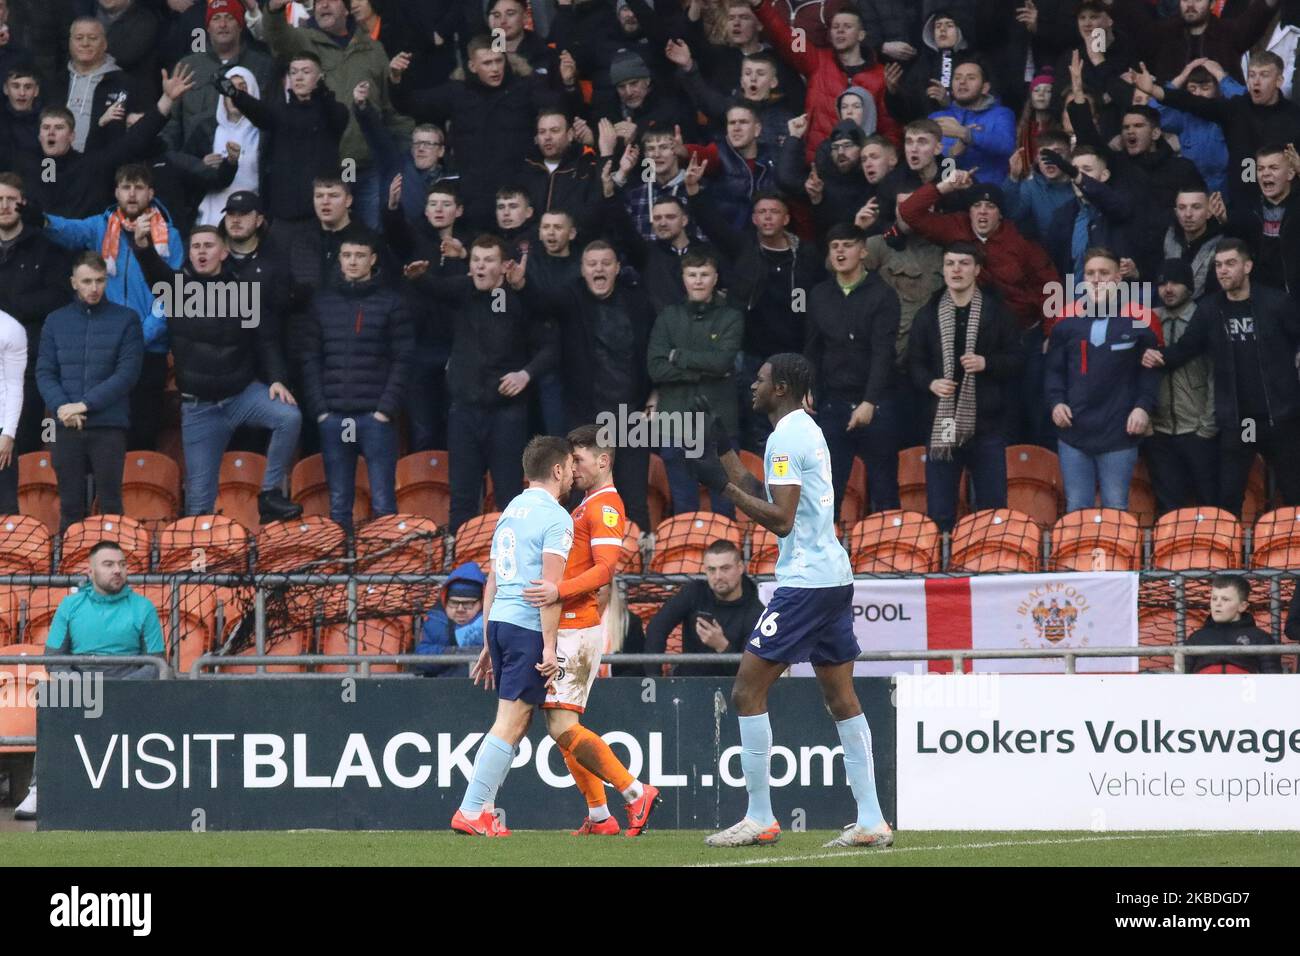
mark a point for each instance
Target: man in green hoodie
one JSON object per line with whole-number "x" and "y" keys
{"x": 103, "y": 619}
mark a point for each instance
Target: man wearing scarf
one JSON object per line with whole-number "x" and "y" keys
{"x": 964, "y": 351}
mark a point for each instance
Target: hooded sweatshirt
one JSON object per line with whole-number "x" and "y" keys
{"x": 440, "y": 635}
{"x": 81, "y": 98}
{"x": 87, "y": 622}
{"x": 243, "y": 132}
{"x": 868, "y": 123}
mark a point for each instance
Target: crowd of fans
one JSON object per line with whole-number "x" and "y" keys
{"x": 468, "y": 221}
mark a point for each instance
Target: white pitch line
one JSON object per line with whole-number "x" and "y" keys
{"x": 952, "y": 846}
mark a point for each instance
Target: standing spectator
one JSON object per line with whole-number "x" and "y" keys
{"x": 740, "y": 165}
{"x": 852, "y": 329}
{"x": 1200, "y": 139}
{"x": 90, "y": 357}
{"x": 104, "y": 619}
{"x": 1035, "y": 189}
{"x": 1253, "y": 333}
{"x": 226, "y": 47}
{"x": 228, "y": 126}
{"x": 497, "y": 351}
{"x": 1231, "y": 625}
{"x": 507, "y": 16}
{"x": 1099, "y": 213}
{"x": 32, "y": 285}
{"x": 978, "y": 130}
{"x": 558, "y": 174}
{"x": 131, "y": 30}
{"x": 658, "y": 149}
{"x": 92, "y": 82}
{"x": 692, "y": 352}
{"x": 1270, "y": 221}
{"x": 20, "y": 116}
{"x": 13, "y": 368}
{"x": 926, "y": 84}
{"x": 836, "y": 184}
{"x": 110, "y": 234}
{"x": 771, "y": 264}
{"x": 1096, "y": 52}
{"x": 348, "y": 56}
{"x": 1194, "y": 236}
{"x": 421, "y": 168}
{"x": 1100, "y": 394}
{"x": 640, "y": 104}
{"x": 356, "y": 348}
{"x": 759, "y": 89}
{"x": 304, "y": 141}
{"x": 742, "y": 38}
{"x": 848, "y": 61}
{"x": 222, "y": 365}
{"x": 456, "y": 625}
{"x": 1181, "y": 452}
{"x": 492, "y": 114}
{"x": 1171, "y": 43}
{"x": 716, "y": 613}
{"x": 965, "y": 351}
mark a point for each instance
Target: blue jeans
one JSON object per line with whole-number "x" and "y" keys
{"x": 426, "y": 400}
{"x": 986, "y": 458}
{"x": 686, "y": 490}
{"x": 1035, "y": 424}
{"x": 1082, "y": 473}
{"x": 377, "y": 442}
{"x": 206, "y": 428}
{"x": 366, "y": 194}
{"x": 483, "y": 439}
{"x": 876, "y": 445}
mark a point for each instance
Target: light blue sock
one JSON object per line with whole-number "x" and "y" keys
{"x": 490, "y": 767}
{"x": 855, "y": 735}
{"x": 755, "y": 755}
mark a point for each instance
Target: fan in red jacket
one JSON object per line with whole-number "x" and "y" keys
{"x": 1020, "y": 271}
{"x": 830, "y": 70}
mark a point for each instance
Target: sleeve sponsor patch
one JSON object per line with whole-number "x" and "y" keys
{"x": 780, "y": 466}
{"x": 609, "y": 516}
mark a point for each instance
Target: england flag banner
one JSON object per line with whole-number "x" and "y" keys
{"x": 983, "y": 612}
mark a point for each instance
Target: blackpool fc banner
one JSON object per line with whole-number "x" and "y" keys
{"x": 1056, "y": 611}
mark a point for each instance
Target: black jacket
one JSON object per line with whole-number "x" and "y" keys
{"x": 422, "y": 242}
{"x": 851, "y": 339}
{"x": 1246, "y": 221}
{"x": 1277, "y": 328}
{"x": 656, "y": 261}
{"x": 736, "y": 618}
{"x": 356, "y": 349}
{"x": 574, "y": 187}
{"x": 997, "y": 340}
{"x": 303, "y": 144}
{"x": 33, "y": 282}
{"x": 488, "y": 342}
{"x": 1243, "y": 632}
{"x": 216, "y": 357}
{"x": 843, "y": 193}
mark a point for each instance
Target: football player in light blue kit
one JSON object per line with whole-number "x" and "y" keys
{"x": 531, "y": 542}
{"x": 810, "y": 617}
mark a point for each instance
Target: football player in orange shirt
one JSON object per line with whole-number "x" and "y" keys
{"x": 598, "y": 528}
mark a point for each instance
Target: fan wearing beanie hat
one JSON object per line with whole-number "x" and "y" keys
{"x": 232, "y": 8}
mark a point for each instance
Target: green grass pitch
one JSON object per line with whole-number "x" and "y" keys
{"x": 675, "y": 848}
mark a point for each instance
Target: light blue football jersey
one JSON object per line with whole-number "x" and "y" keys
{"x": 532, "y": 524}
{"x": 810, "y": 556}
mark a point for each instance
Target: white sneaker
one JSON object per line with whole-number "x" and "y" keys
{"x": 27, "y": 809}
{"x": 746, "y": 833}
{"x": 854, "y": 835}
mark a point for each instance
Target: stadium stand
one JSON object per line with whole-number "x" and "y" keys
{"x": 131, "y": 536}
{"x": 1096, "y": 539}
{"x": 38, "y": 488}
{"x": 239, "y": 484}
{"x": 424, "y": 485}
{"x": 998, "y": 539}
{"x": 1197, "y": 538}
{"x": 680, "y": 541}
{"x": 894, "y": 542}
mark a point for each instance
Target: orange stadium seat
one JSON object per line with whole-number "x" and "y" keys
{"x": 424, "y": 485}
{"x": 894, "y": 541}
{"x": 239, "y": 485}
{"x": 911, "y": 479}
{"x": 17, "y": 682}
{"x": 629, "y": 562}
{"x": 474, "y": 539}
{"x": 286, "y": 546}
{"x": 854, "y": 505}
{"x": 659, "y": 499}
{"x": 203, "y": 543}
{"x": 1196, "y": 539}
{"x": 381, "y": 636}
{"x": 680, "y": 541}
{"x": 151, "y": 486}
{"x": 129, "y": 534}
{"x": 308, "y": 487}
{"x": 12, "y": 599}
{"x": 1256, "y": 502}
{"x": 762, "y": 551}
{"x": 996, "y": 539}
{"x": 41, "y": 605}
{"x": 38, "y": 488}
{"x": 286, "y": 644}
{"x": 1097, "y": 539}
{"x": 400, "y": 544}
{"x": 1141, "y": 496}
{"x": 196, "y": 611}
{"x": 1034, "y": 483}
{"x": 25, "y": 545}
{"x": 1277, "y": 539}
